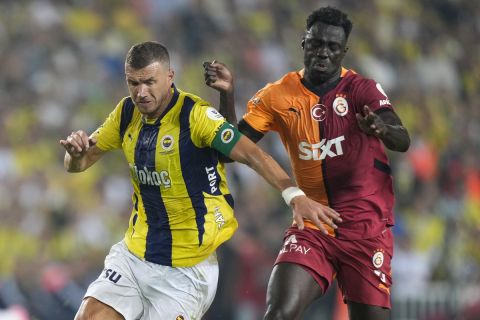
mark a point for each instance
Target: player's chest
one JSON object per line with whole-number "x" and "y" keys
{"x": 152, "y": 145}
{"x": 312, "y": 118}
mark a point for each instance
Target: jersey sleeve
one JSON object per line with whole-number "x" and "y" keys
{"x": 259, "y": 113}
{"x": 205, "y": 122}
{"x": 371, "y": 93}
{"x": 108, "y": 134}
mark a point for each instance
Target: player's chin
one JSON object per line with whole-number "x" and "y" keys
{"x": 319, "y": 76}
{"x": 145, "y": 107}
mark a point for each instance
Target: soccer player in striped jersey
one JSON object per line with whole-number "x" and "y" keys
{"x": 334, "y": 124}
{"x": 165, "y": 267}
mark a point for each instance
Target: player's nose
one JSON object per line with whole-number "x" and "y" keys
{"x": 142, "y": 91}
{"x": 322, "y": 51}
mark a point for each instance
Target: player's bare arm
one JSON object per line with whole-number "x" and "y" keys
{"x": 219, "y": 77}
{"x": 81, "y": 151}
{"x": 386, "y": 126}
{"x": 247, "y": 152}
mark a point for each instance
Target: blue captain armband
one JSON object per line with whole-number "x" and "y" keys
{"x": 226, "y": 138}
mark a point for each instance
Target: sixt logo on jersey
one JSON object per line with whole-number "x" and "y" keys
{"x": 319, "y": 151}
{"x": 151, "y": 178}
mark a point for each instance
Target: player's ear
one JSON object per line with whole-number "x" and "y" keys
{"x": 171, "y": 75}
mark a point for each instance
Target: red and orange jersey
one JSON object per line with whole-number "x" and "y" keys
{"x": 334, "y": 162}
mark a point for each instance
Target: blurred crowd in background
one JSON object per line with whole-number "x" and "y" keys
{"x": 62, "y": 65}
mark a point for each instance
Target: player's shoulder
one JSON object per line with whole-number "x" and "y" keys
{"x": 199, "y": 108}
{"x": 288, "y": 82}
{"x": 190, "y": 105}
{"x": 127, "y": 100}
{"x": 193, "y": 99}
{"x": 356, "y": 79}
{"x": 364, "y": 87}
{"x": 124, "y": 106}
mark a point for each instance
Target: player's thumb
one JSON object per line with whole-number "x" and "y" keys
{"x": 92, "y": 141}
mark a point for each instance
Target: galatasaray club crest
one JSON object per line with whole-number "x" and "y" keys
{"x": 378, "y": 258}
{"x": 340, "y": 106}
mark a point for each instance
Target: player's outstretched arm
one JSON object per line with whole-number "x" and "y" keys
{"x": 386, "y": 126}
{"x": 81, "y": 151}
{"x": 247, "y": 152}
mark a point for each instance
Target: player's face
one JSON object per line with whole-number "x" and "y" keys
{"x": 150, "y": 87}
{"x": 324, "y": 49}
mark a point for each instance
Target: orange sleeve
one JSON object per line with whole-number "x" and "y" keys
{"x": 260, "y": 115}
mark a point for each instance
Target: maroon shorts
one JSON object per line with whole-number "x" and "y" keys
{"x": 362, "y": 267}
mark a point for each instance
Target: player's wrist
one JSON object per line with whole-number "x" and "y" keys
{"x": 291, "y": 192}
{"x": 227, "y": 90}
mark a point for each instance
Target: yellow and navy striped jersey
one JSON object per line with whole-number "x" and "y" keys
{"x": 182, "y": 208}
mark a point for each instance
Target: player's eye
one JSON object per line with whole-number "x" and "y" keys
{"x": 334, "y": 47}
{"x": 312, "y": 44}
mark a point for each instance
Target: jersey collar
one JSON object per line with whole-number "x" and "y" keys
{"x": 342, "y": 74}
{"x": 324, "y": 90}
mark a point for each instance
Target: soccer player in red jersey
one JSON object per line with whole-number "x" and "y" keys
{"x": 334, "y": 124}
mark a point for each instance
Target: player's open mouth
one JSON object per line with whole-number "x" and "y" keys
{"x": 320, "y": 66}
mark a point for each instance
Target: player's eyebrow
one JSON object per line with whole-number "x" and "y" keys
{"x": 148, "y": 80}
{"x": 151, "y": 79}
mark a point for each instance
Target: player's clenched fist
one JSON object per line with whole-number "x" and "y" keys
{"x": 77, "y": 143}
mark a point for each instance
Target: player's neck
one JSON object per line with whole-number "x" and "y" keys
{"x": 322, "y": 87}
{"x": 166, "y": 102}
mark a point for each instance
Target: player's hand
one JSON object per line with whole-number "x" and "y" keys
{"x": 77, "y": 143}
{"x": 305, "y": 208}
{"x": 371, "y": 123}
{"x": 217, "y": 76}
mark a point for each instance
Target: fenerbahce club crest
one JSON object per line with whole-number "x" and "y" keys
{"x": 167, "y": 142}
{"x": 227, "y": 135}
{"x": 340, "y": 106}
